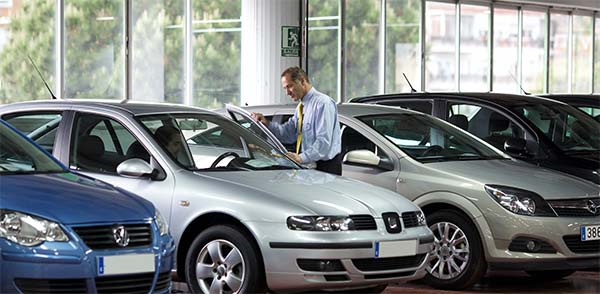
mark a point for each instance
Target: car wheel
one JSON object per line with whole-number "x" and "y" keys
{"x": 223, "y": 260}
{"x": 550, "y": 275}
{"x": 457, "y": 260}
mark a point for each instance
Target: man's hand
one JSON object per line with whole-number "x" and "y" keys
{"x": 260, "y": 117}
{"x": 295, "y": 156}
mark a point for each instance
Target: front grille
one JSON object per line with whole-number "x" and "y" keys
{"x": 101, "y": 237}
{"x": 163, "y": 283}
{"x": 321, "y": 265}
{"x": 389, "y": 263}
{"x": 576, "y": 245}
{"x": 576, "y": 208}
{"x": 519, "y": 244}
{"x": 54, "y": 286}
{"x": 410, "y": 219}
{"x": 138, "y": 283}
{"x": 363, "y": 222}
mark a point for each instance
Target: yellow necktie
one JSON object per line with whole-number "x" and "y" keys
{"x": 299, "y": 140}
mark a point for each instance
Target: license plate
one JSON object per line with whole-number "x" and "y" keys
{"x": 589, "y": 233}
{"x": 395, "y": 248}
{"x": 125, "y": 264}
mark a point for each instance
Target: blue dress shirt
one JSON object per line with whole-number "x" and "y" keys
{"x": 321, "y": 135}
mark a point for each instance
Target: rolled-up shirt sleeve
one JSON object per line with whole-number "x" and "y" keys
{"x": 323, "y": 134}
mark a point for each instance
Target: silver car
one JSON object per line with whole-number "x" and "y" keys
{"x": 486, "y": 210}
{"x": 244, "y": 217}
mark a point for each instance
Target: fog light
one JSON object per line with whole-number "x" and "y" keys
{"x": 532, "y": 246}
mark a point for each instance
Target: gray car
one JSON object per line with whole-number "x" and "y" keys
{"x": 486, "y": 210}
{"x": 244, "y": 217}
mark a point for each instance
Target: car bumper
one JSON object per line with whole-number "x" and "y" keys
{"x": 292, "y": 259}
{"x": 57, "y": 267}
{"x": 559, "y": 237}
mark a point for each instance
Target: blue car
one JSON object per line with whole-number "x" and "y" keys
{"x": 62, "y": 232}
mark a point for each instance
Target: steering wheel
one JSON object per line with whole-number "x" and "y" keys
{"x": 434, "y": 149}
{"x": 223, "y": 156}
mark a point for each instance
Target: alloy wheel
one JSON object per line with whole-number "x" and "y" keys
{"x": 220, "y": 268}
{"x": 450, "y": 254}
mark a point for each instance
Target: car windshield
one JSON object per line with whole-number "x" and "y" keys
{"x": 210, "y": 142}
{"x": 569, "y": 129}
{"x": 427, "y": 139}
{"x": 19, "y": 156}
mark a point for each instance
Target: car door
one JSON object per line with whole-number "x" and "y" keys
{"x": 100, "y": 143}
{"x": 244, "y": 118}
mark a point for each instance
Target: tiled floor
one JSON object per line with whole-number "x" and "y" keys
{"x": 587, "y": 282}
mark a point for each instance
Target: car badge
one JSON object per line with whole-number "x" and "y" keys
{"x": 591, "y": 207}
{"x": 120, "y": 235}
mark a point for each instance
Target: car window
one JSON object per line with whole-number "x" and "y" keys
{"x": 353, "y": 140}
{"x": 488, "y": 124}
{"x": 40, "y": 127}
{"x": 282, "y": 118}
{"x": 100, "y": 144}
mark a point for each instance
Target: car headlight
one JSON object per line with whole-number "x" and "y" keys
{"x": 163, "y": 227}
{"x": 320, "y": 223}
{"x": 28, "y": 230}
{"x": 519, "y": 201}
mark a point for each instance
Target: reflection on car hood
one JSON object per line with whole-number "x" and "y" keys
{"x": 316, "y": 192}
{"x": 70, "y": 199}
{"x": 547, "y": 183}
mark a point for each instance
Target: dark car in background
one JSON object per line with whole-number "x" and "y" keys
{"x": 63, "y": 232}
{"x": 587, "y": 103}
{"x": 538, "y": 130}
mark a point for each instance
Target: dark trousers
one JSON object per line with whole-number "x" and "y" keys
{"x": 332, "y": 166}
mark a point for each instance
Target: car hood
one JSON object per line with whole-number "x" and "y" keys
{"x": 315, "y": 192}
{"x": 547, "y": 183}
{"x": 71, "y": 199}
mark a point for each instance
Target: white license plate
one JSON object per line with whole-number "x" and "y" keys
{"x": 395, "y": 248}
{"x": 125, "y": 264}
{"x": 589, "y": 233}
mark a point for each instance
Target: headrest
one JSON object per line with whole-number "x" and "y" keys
{"x": 91, "y": 146}
{"x": 498, "y": 122}
{"x": 459, "y": 120}
{"x": 136, "y": 150}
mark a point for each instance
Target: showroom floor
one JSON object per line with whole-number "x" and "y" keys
{"x": 499, "y": 282}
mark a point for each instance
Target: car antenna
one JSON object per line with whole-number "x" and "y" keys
{"x": 42, "y": 77}
{"x": 521, "y": 87}
{"x": 412, "y": 90}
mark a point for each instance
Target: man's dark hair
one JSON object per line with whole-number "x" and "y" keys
{"x": 296, "y": 73}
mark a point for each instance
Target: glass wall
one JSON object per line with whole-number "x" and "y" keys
{"x": 94, "y": 65}
{"x": 597, "y": 56}
{"x": 440, "y": 48}
{"x": 216, "y": 47}
{"x": 474, "y": 48}
{"x": 582, "y": 54}
{"x": 26, "y": 31}
{"x": 402, "y": 45}
{"x": 506, "y": 50}
{"x": 533, "y": 50}
{"x": 559, "y": 53}
{"x": 322, "y": 59}
{"x": 362, "y": 57}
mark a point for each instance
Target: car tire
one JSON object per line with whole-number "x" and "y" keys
{"x": 550, "y": 275}
{"x": 228, "y": 261}
{"x": 458, "y": 262}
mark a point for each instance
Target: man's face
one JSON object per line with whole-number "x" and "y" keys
{"x": 295, "y": 90}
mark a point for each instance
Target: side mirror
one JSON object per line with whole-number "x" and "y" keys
{"x": 135, "y": 168}
{"x": 366, "y": 157}
{"x": 516, "y": 146}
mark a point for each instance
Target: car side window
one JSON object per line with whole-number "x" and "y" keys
{"x": 354, "y": 140}
{"x": 100, "y": 144}
{"x": 485, "y": 123}
{"x": 40, "y": 127}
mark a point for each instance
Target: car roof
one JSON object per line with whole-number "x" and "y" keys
{"x": 132, "y": 107}
{"x": 503, "y": 99}
{"x": 344, "y": 109}
{"x": 587, "y": 99}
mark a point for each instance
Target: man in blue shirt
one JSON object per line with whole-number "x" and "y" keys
{"x": 314, "y": 127}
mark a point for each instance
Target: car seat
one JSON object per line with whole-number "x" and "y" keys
{"x": 136, "y": 150}
{"x": 90, "y": 153}
{"x": 459, "y": 120}
{"x": 497, "y": 124}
